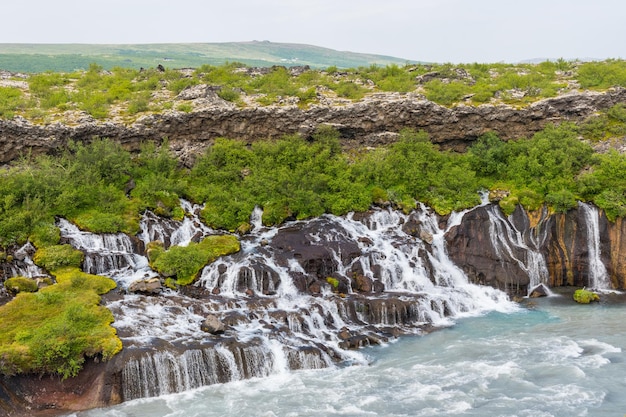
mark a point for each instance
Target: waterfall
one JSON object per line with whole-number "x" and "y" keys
{"x": 111, "y": 255}
{"x": 23, "y": 264}
{"x": 509, "y": 244}
{"x": 598, "y": 276}
{"x": 302, "y": 295}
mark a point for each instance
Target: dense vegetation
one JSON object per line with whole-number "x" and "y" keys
{"x": 291, "y": 178}
{"x": 125, "y": 94}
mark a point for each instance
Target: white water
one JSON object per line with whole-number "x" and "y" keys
{"x": 598, "y": 277}
{"x": 557, "y": 360}
{"x": 112, "y": 255}
{"x": 287, "y": 329}
{"x": 509, "y": 244}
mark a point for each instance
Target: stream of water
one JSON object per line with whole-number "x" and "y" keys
{"x": 554, "y": 359}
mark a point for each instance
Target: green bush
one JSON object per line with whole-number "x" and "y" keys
{"x": 20, "y": 284}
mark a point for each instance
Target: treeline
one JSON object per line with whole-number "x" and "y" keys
{"x": 103, "y": 188}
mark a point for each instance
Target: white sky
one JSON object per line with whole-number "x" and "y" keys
{"x": 425, "y": 30}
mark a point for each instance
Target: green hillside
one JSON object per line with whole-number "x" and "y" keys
{"x": 70, "y": 57}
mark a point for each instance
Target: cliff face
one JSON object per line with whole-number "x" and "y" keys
{"x": 370, "y": 122}
{"x": 578, "y": 248}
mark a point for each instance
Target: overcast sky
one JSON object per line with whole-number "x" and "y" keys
{"x": 425, "y": 30}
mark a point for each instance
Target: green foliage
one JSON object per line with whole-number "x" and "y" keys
{"x": 605, "y": 184}
{"x": 602, "y": 75}
{"x": 583, "y": 296}
{"x": 53, "y": 330}
{"x": 20, "y": 284}
{"x": 544, "y": 168}
{"x": 445, "y": 93}
{"x": 184, "y": 262}
{"x": 606, "y": 125}
{"x": 11, "y": 100}
{"x": 57, "y": 256}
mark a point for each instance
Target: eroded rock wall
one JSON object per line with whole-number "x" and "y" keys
{"x": 370, "y": 122}
{"x": 499, "y": 255}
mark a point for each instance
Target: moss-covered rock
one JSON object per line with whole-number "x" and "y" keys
{"x": 58, "y": 256}
{"x": 20, "y": 284}
{"x": 184, "y": 262}
{"x": 584, "y": 296}
{"x": 53, "y": 330}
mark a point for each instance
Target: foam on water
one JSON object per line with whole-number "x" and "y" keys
{"x": 484, "y": 367}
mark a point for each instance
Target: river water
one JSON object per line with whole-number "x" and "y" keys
{"x": 549, "y": 358}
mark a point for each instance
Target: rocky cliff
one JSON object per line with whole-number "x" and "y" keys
{"x": 580, "y": 248}
{"x": 373, "y": 121}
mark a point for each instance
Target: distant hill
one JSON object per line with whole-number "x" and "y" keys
{"x": 69, "y": 57}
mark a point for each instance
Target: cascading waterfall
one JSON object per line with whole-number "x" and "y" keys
{"x": 24, "y": 266}
{"x": 112, "y": 255}
{"x": 598, "y": 276}
{"x": 281, "y": 326}
{"x": 509, "y": 243}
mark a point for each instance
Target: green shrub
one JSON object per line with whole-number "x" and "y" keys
{"x": 20, "y": 284}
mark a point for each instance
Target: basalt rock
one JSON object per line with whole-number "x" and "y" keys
{"x": 563, "y": 240}
{"x": 374, "y": 121}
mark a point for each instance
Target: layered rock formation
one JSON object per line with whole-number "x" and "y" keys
{"x": 373, "y": 121}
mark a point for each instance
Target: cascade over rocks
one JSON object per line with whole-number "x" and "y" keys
{"x": 375, "y": 120}
{"x": 309, "y": 294}
{"x": 580, "y": 248}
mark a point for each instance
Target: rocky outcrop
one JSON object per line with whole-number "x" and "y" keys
{"x": 373, "y": 121}
{"x": 576, "y": 248}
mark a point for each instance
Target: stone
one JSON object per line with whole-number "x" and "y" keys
{"x": 539, "y": 291}
{"x": 213, "y": 325}
{"x": 362, "y": 284}
{"x": 146, "y": 285}
{"x": 374, "y": 117}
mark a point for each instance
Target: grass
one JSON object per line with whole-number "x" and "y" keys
{"x": 185, "y": 262}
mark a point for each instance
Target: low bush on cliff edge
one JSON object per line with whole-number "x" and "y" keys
{"x": 54, "y": 329}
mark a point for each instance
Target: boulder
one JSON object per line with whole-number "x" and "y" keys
{"x": 213, "y": 325}
{"x": 539, "y": 291}
{"x": 146, "y": 285}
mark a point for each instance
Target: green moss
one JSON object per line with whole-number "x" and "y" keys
{"x": 154, "y": 249}
{"x": 184, "y": 262}
{"x": 98, "y": 222}
{"x": 53, "y": 330}
{"x": 58, "y": 256}
{"x": 334, "y": 282}
{"x": 584, "y": 296}
{"x": 20, "y": 284}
